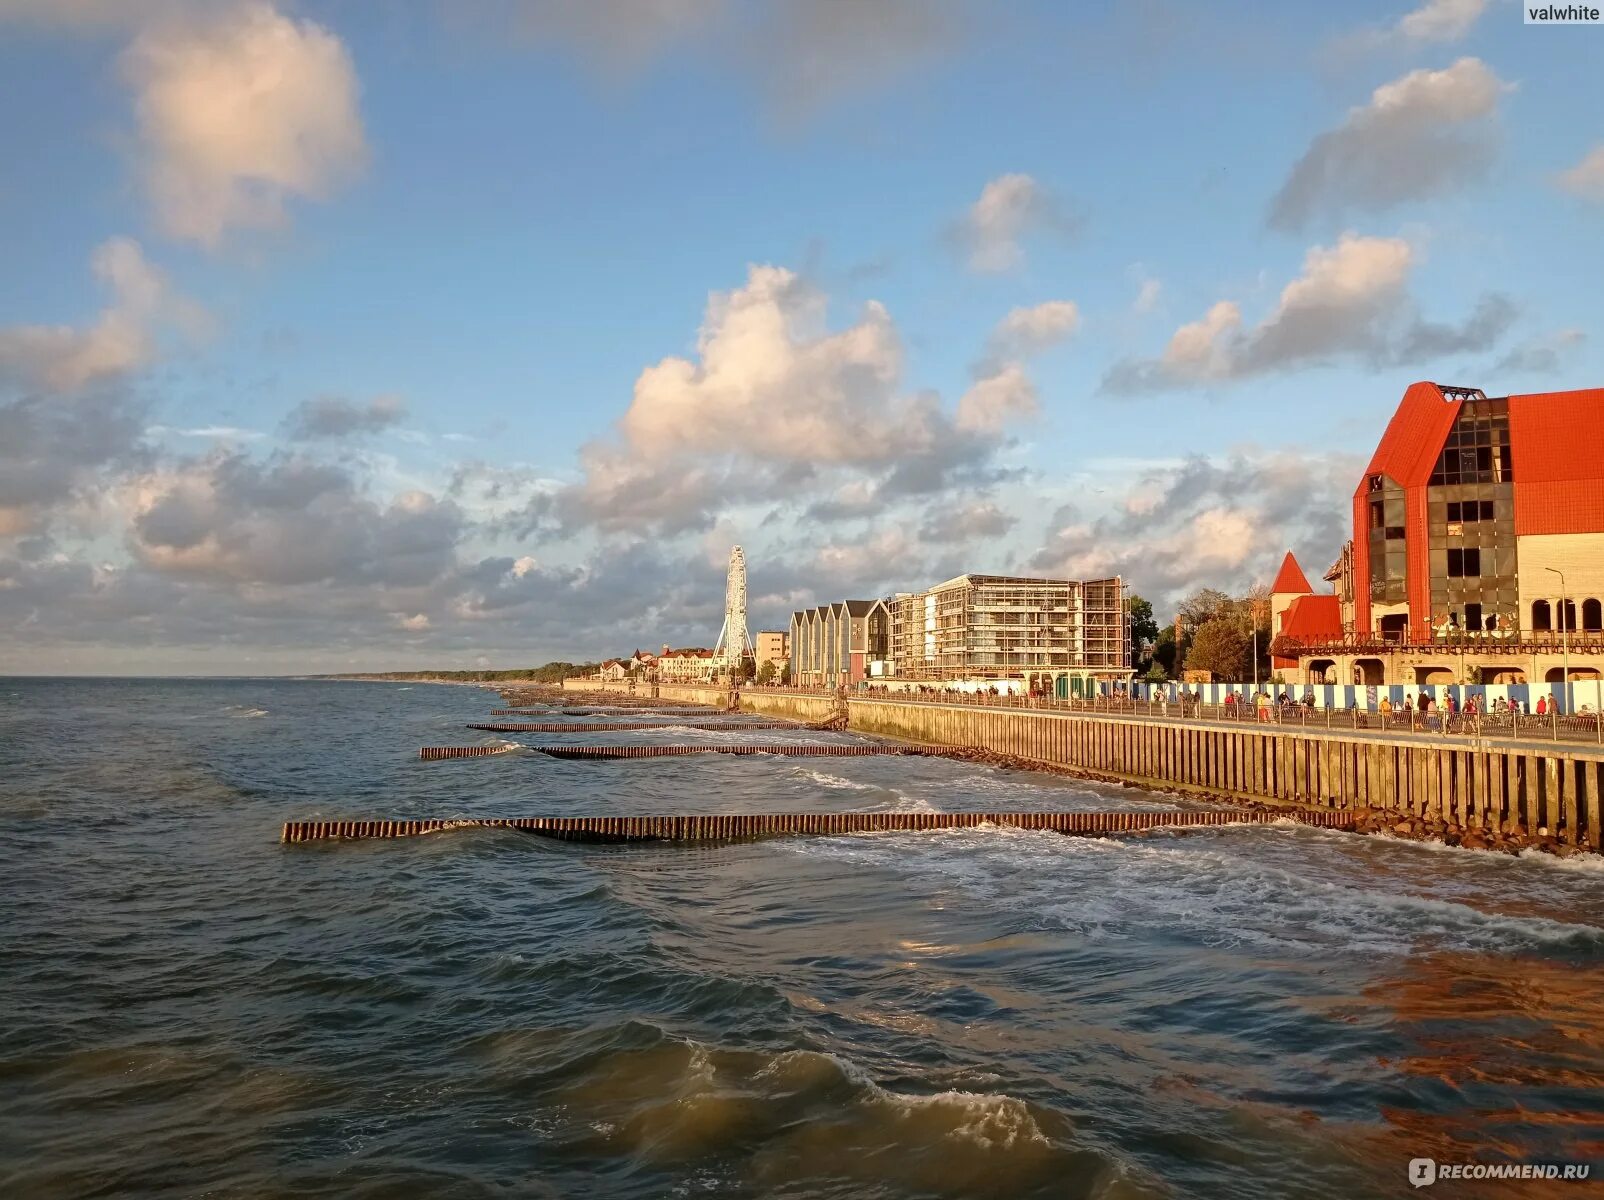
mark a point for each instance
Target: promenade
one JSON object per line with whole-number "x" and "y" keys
{"x": 1582, "y": 728}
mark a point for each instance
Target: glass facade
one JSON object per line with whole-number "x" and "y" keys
{"x": 1389, "y": 565}
{"x": 1470, "y": 516}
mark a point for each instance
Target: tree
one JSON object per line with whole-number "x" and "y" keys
{"x": 1164, "y": 651}
{"x": 765, "y": 673}
{"x": 1200, "y": 606}
{"x": 1144, "y": 629}
{"x": 1220, "y": 646}
{"x": 785, "y": 675}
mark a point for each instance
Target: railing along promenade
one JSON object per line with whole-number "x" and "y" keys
{"x": 1510, "y": 724}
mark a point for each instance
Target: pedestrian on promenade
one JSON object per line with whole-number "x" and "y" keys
{"x": 1264, "y": 706}
{"x": 1385, "y": 707}
{"x": 1542, "y": 706}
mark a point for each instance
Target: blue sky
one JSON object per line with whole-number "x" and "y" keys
{"x": 337, "y": 336}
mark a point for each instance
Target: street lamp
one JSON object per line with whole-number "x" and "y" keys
{"x": 1564, "y": 638}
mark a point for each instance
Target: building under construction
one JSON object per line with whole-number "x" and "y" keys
{"x": 1056, "y": 634}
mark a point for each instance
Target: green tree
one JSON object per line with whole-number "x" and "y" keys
{"x": 1220, "y": 646}
{"x": 765, "y": 673}
{"x": 1164, "y": 651}
{"x": 1144, "y": 629}
{"x": 1201, "y": 605}
{"x": 785, "y": 675}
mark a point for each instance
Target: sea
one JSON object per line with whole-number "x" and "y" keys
{"x": 189, "y": 1008}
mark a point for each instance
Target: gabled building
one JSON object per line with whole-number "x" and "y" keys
{"x": 1478, "y": 541}
{"x": 841, "y": 643}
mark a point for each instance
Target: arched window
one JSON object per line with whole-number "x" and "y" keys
{"x": 1542, "y": 617}
{"x": 1568, "y": 616}
{"x": 1592, "y": 615}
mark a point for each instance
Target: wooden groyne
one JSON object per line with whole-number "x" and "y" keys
{"x": 698, "y": 711}
{"x": 801, "y": 750}
{"x": 430, "y": 753}
{"x": 752, "y": 825}
{"x": 736, "y": 724}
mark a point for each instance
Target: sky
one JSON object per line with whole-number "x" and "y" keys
{"x": 450, "y": 333}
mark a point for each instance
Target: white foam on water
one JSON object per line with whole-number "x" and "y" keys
{"x": 1257, "y": 887}
{"x": 240, "y": 710}
{"x": 835, "y": 781}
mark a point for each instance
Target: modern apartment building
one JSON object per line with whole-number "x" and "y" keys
{"x": 1061, "y": 633}
{"x": 773, "y": 645}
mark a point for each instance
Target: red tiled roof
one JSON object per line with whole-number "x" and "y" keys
{"x": 1311, "y": 618}
{"x": 1414, "y": 437}
{"x": 1290, "y": 578}
{"x": 1557, "y": 444}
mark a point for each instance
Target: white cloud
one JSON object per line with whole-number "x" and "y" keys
{"x": 416, "y": 623}
{"x": 1208, "y": 522}
{"x": 1586, "y": 178}
{"x": 1147, "y": 296}
{"x": 996, "y": 401}
{"x": 1029, "y": 330}
{"x": 1419, "y": 135}
{"x": 122, "y": 338}
{"x": 1010, "y": 208}
{"x": 777, "y": 407}
{"x": 240, "y": 113}
{"x": 1350, "y": 302}
{"x": 1441, "y": 20}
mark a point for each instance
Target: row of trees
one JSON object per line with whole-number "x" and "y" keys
{"x": 1212, "y": 631}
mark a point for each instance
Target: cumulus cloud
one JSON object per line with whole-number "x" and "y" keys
{"x": 1031, "y": 330}
{"x": 288, "y": 520}
{"x": 974, "y": 521}
{"x": 1011, "y": 208}
{"x": 240, "y": 111}
{"x": 121, "y": 339}
{"x": 996, "y": 401}
{"x": 1441, "y": 20}
{"x": 1420, "y": 135}
{"x": 1147, "y": 296}
{"x": 57, "y": 451}
{"x": 335, "y": 417}
{"x": 1586, "y": 178}
{"x": 777, "y": 406}
{"x": 1351, "y": 303}
{"x": 1209, "y": 523}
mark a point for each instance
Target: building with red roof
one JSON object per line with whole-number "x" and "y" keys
{"x": 1478, "y": 539}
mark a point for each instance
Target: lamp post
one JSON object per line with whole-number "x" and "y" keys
{"x": 1564, "y": 639}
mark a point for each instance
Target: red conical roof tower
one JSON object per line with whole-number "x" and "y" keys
{"x": 1290, "y": 579}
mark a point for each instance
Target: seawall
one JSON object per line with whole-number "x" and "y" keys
{"x": 1478, "y": 792}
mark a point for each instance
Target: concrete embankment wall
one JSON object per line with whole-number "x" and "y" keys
{"x": 688, "y": 693}
{"x": 1532, "y": 791}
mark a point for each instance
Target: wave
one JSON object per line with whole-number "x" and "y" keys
{"x": 800, "y": 1117}
{"x": 824, "y": 779}
{"x": 1221, "y": 888}
{"x": 240, "y": 710}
